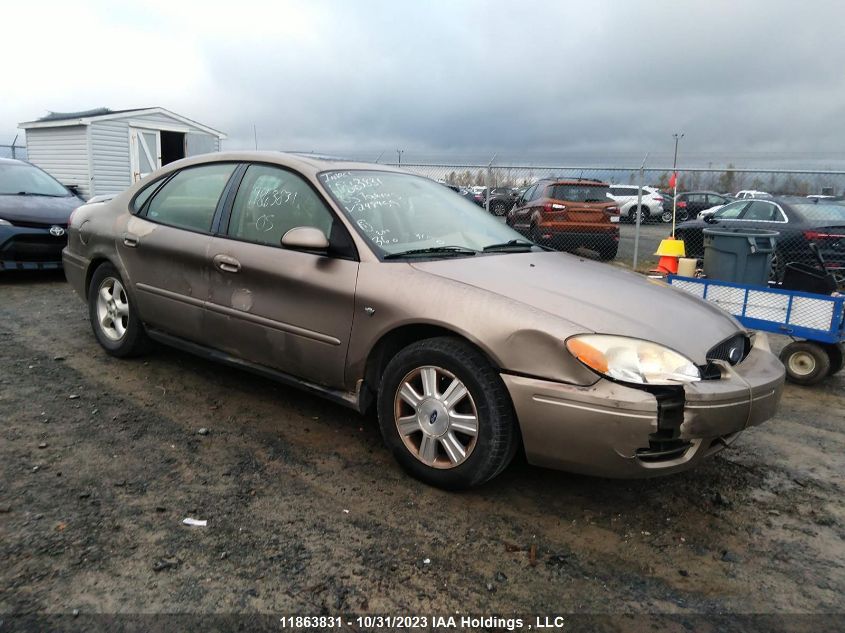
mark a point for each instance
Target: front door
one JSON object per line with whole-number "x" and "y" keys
{"x": 285, "y": 309}
{"x": 144, "y": 152}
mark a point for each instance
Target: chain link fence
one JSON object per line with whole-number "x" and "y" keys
{"x": 621, "y": 214}
{"x": 13, "y": 151}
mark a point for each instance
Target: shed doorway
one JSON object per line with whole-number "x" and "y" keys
{"x": 172, "y": 146}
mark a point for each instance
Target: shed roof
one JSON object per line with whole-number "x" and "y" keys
{"x": 85, "y": 117}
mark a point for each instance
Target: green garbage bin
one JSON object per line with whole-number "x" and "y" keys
{"x": 743, "y": 256}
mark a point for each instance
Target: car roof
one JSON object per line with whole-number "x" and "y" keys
{"x": 712, "y": 193}
{"x": 307, "y": 164}
{"x": 573, "y": 181}
{"x": 12, "y": 161}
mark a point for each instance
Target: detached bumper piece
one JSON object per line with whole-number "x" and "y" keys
{"x": 666, "y": 444}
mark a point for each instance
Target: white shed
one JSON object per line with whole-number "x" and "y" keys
{"x": 104, "y": 151}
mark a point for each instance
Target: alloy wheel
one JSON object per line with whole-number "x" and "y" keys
{"x": 436, "y": 417}
{"x": 112, "y": 309}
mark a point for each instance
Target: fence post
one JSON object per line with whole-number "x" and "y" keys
{"x": 639, "y": 213}
{"x": 489, "y": 183}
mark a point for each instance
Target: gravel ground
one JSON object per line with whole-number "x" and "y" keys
{"x": 102, "y": 459}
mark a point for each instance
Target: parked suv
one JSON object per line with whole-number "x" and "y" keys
{"x": 625, "y": 197}
{"x": 568, "y": 215}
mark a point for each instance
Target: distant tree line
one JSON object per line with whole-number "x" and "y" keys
{"x": 728, "y": 181}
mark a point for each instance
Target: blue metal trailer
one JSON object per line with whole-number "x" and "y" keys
{"x": 815, "y": 322}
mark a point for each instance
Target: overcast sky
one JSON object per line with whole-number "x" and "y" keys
{"x": 592, "y": 81}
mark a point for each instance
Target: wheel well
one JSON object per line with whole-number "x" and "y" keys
{"x": 93, "y": 266}
{"x": 389, "y": 345}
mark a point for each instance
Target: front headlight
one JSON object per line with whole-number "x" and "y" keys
{"x": 5, "y": 222}
{"x": 632, "y": 360}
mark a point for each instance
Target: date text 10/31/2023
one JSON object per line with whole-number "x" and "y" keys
{"x": 425, "y": 622}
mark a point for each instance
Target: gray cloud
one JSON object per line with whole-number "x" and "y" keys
{"x": 602, "y": 81}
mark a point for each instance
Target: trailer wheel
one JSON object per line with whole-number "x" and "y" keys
{"x": 836, "y": 356}
{"x": 806, "y": 363}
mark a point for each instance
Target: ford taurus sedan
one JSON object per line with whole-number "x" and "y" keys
{"x": 380, "y": 289}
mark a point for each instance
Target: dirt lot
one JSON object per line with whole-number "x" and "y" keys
{"x": 101, "y": 460}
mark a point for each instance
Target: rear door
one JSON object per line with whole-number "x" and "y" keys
{"x": 285, "y": 309}
{"x": 165, "y": 248}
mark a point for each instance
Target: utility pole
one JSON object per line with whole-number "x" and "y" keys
{"x": 399, "y": 153}
{"x": 677, "y": 138}
{"x": 255, "y": 136}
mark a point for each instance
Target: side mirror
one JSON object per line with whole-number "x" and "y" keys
{"x": 711, "y": 219}
{"x": 74, "y": 189}
{"x": 305, "y": 238}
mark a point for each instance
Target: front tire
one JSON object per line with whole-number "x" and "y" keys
{"x": 498, "y": 209}
{"x": 445, "y": 414}
{"x": 666, "y": 216}
{"x": 114, "y": 319}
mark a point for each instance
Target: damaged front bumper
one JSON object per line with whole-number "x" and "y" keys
{"x": 614, "y": 430}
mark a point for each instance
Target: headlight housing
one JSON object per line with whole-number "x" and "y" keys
{"x": 5, "y": 222}
{"x": 632, "y": 360}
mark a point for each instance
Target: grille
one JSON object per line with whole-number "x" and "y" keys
{"x": 733, "y": 350}
{"x": 38, "y": 225}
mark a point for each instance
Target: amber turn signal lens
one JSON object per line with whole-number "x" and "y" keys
{"x": 587, "y": 354}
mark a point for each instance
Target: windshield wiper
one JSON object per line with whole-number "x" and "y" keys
{"x": 32, "y": 193}
{"x": 512, "y": 245}
{"x": 433, "y": 250}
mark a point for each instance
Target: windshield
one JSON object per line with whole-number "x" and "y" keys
{"x": 823, "y": 211}
{"x": 581, "y": 193}
{"x": 398, "y": 212}
{"x": 22, "y": 178}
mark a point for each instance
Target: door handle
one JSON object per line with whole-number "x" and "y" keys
{"x": 226, "y": 264}
{"x": 130, "y": 240}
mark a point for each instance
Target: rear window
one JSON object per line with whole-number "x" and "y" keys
{"x": 580, "y": 193}
{"x": 824, "y": 212}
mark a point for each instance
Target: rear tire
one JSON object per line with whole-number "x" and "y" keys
{"x": 427, "y": 422}
{"x": 806, "y": 363}
{"x": 114, "y": 319}
{"x": 666, "y": 217}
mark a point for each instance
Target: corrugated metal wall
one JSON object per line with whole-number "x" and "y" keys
{"x": 62, "y": 152}
{"x": 110, "y": 154}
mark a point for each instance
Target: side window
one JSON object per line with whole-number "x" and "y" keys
{"x": 697, "y": 198}
{"x": 270, "y": 202}
{"x": 527, "y": 195}
{"x": 145, "y": 194}
{"x": 761, "y": 211}
{"x": 716, "y": 200}
{"x": 538, "y": 192}
{"x": 188, "y": 200}
{"x": 730, "y": 211}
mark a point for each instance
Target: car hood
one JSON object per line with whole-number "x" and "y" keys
{"x": 596, "y": 298}
{"x": 46, "y": 209}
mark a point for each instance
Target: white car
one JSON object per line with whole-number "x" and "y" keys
{"x": 751, "y": 193}
{"x": 708, "y": 212}
{"x": 652, "y": 206}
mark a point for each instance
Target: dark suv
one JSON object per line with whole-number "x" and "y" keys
{"x": 502, "y": 199}
{"x": 569, "y": 215}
